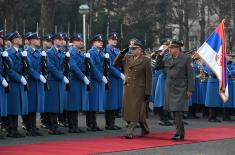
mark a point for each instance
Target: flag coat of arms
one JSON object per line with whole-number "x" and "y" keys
{"x": 213, "y": 53}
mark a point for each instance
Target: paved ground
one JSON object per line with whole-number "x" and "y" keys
{"x": 222, "y": 147}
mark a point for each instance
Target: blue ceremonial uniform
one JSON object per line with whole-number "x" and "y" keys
{"x": 78, "y": 95}
{"x": 202, "y": 89}
{"x": 96, "y": 94}
{"x": 156, "y": 74}
{"x": 212, "y": 92}
{"x": 55, "y": 96}
{"x": 113, "y": 100}
{"x": 36, "y": 93}
{"x": 17, "y": 97}
{"x": 3, "y": 95}
{"x": 160, "y": 90}
{"x": 196, "y": 92}
{"x": 231, "y": 85}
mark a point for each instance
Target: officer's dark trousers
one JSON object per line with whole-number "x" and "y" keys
{"x": 53, "y": 124}
{"x": 30, "y": 122}
{"x": 178, "y": 116}
{"x": 12, "y": 123}
{"x": 72, "y": 119}
{"x": 91, "y": 119}
{"x": 110, "y": 116}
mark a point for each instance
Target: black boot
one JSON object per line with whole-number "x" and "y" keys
{"x": 12, "y": 127}
{"x": 53, "y": 129}
{"x": 89, "y": 121}
{"x": 34, "y": 125}
{"x": 75, "y": 123}
{"x": 108, "y": 115}
{"x": 94, "y": 123}
{"x": 112, "y": 121}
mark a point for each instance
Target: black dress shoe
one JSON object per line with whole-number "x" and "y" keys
{"x": 178, "y": 137}
{"x": 116, "y": 127}
{"x": 31, "y": 133}
{"x": 76, "y": 130}
{"x": 90, "y": 128}
{"x": 165, "y": 123}
{"x": 129, "y": 136}
{"x": 15, "y": 134}
{"x": 108, "y": 127}
{"x": 214, "y": 120}
{"x": 97, "y": 128}
{"x": 55, "y": 132}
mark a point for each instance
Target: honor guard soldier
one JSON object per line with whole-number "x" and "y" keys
{"x": 98, "y": 81}
{"x": 113, "y": 100}
{"x": 137, "y": 86}
{"x": 3, "y": 93}
{"x": 78, "y": 94}
{"x": 17, "y": 99}
{"x": 46, "y": 41}
{"x": 179, "y": 83}
{"x": 36, "y": 94}
{"x": 55, "y": 96}
{"x": 213, "y": 101}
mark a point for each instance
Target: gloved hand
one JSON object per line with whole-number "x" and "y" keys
{"x": 4, "y": 82}
{"x": 43, "y": 79}
{"x": 24, "y": 54}
{"x": 87, "y": 55}
{"x": 23, "y": 80}
{"x": 106, "y": 55}
{"x": 67, "y": 54}
{"x": 104, "y": 79}
{"x": 66, "y": 80}
{"x": 125, "y": 50}
{"x": 5, "y": 54}
{"x": 122, "y": 76}
{"x": 44, "y": 53}
{"x": 146, "y": 98}
{"x": 86, "y": 80}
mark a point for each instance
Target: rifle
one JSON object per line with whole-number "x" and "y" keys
{"x": 25, "y": 66}
{"x": 44, "y": 70}
{"x": 66, "y": 67}
{"x": 106, "y": 70}
{"x": 87, "y": 71}
{"x": 5, "y": 62}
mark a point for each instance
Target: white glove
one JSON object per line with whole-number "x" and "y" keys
{"x": 44, "y": 54}
{"x": 66, "y": 80}
{"x": 43, "y": 79}
{"x": 4, "y": 83}
{"x": 87, "y": 55}
{"x": 5, "y": 54}
{"x": 122, "y": 76}
{"x": 23, "y": 80}
{"x": 104, "y": 79}
{"x": 24, "y": 54}
{"x": 67, "y": 54}
{"x": 86, "y": 80}
{"x": 106, "y": 55}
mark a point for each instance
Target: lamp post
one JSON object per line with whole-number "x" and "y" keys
{"x": 84, "y": 10}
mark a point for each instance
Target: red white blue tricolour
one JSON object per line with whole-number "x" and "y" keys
{"x": 213, "y": 53}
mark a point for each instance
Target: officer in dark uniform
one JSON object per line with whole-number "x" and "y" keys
{"x": 179, "y": 83}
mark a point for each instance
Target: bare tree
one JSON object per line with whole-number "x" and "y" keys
{"x": 47, "y": 16}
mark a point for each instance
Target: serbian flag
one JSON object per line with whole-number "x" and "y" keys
{"x": 213, "y": 53}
